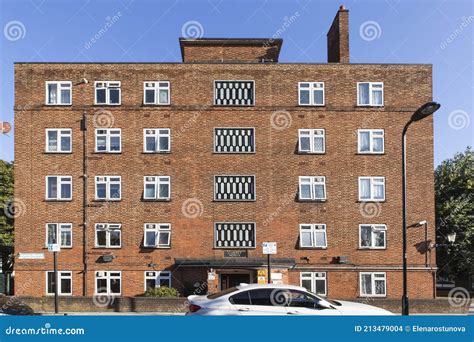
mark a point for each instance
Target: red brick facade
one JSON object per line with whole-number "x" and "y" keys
{"x": 192, "y": 165}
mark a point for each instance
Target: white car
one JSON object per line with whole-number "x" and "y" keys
{"x": 258, "y": 300}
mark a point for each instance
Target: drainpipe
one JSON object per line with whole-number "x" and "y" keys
{"x": 84, "y": 202}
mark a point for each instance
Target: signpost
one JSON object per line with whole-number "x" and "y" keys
{"x": 269, "y": 248}
{"x": 55, "y": 248}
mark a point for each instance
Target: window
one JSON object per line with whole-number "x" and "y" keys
{"x": 59, "y": 140}
{"x": 313, "y": 236}
{"x": 311, "y": 141}
{"x": 371, "y": 141}
{"x": 373, "y": 284}
{"x": 108, "y": 140}
{"x": 265, "y": 297}
{"x": 59, "y": 233}
{"x": 314, "y": 282}
{"x": 156, "y": 140}
{"x": 108, "y": 235}
{"x": 241, "y": 298}
{"x": 234, "y": 188}
{"x": 371, "y": 188}
{"x": 312, "y": 188}
{"x": 108, "y": 188}
{"x": 234, "y": 235}
{"x": 372, "y": 236}
{"x": 64, "y": 281}
{"x": 157, "y": 279}
{"x": 234, "y": 93}
{"x": 370, "y": 94}
{"x": 234, "y": 140}
{"x": 59, "y": 188}
{"x": 156, "y": 93}
{"x": 311, "y": 93}
{"x": 157, "y": 235}
{"x": 107, "y": 93}
{"x": 108, "y": 282}
{"x": 157, "y": 188}
{"x": 58, "y": 93}
{"x": 299, "y": 299}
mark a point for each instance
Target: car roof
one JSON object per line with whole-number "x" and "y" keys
{"x": 269, "y": 286}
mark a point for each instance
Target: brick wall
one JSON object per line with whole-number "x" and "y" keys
{"x": 192, "y": 165}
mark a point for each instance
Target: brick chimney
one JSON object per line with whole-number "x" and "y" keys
{"x": 338, "y": 37}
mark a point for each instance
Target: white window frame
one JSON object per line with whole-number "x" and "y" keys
{"x": 314, "y": 228}
{"x": 157, "y": 87}
{"x": 59, "y": 183}
{"x": 59, "y": 88}
{"x": 59, "y": 228}
{"x": 311, "y": 88}
{"x": 60, "y": 134}
{"x": 108, "y": 137}
{"x": 157, "y": 135}
{"x": 61, "y": 275}
{"x": 158, "y": 180}
{"x": 373, "y": 133}
{"x": 107, "y": 182}
{"x": 374, "y": 228}
{"x": 108, "y": 228}
{"x": 311, "y": 133}
{"x": 158, "y": 229}
{"x": 313, "y": 276}
{"x": 313, "y": 181}
{"x": 157, "y": 277}
{"x": 372, "y": 192}
{"x": 371, "y": 99}
{"x": 253, "y": 93}
{"x": 373, "y": 274}
{"x": 107, "y": 85}
{"x": 107, "y": 275}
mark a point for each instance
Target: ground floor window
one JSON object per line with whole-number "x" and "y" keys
{"x": 64, "y": 281}
{"x": 373, "y": 284}
{"x": 157, "y": 279}
{"x": 314, "y": 282}
{"x": 108, "y": 282}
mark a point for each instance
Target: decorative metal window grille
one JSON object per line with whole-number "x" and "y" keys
{"x": 234, "y": 235}
{"x": 234, "y": 188}
{"x": 234, "y": 140}
{"x": 234, "y": 93}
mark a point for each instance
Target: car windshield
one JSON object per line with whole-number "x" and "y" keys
{"x": 222, "y": 293}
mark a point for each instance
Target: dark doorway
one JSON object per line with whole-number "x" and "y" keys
{"x": 234, "y": 279}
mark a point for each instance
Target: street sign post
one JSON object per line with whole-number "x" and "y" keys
{"x": 55, "y": 248}
{"x": 269, "y": 248}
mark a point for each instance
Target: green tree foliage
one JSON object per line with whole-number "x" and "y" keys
{"x": 454, "y": 191}
{"x": 6, "y": 198}
{"x": 162, "y": 291}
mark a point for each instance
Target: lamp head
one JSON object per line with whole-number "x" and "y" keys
{"x": 425, "y": 110}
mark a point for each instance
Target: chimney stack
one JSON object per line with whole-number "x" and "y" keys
{"x": 338, "y": 37}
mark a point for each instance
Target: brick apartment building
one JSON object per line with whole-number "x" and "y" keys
{"x": 173, "y": 174}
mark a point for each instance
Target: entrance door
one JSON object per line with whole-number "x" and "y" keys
{"x": 233, "y": 279}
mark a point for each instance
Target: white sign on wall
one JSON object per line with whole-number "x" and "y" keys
{"x": 53, "y": 247}
{"x": 30, "y": 255}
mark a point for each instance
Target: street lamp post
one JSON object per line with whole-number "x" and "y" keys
{"x": 424, "y": 111}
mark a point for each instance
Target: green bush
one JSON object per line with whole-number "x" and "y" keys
{"x": 162, "y": 291}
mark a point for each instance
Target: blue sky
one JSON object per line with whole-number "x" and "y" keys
{"x": 382, "y": 31}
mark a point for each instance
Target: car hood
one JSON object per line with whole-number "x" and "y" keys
{"x": 353, "y": 308}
